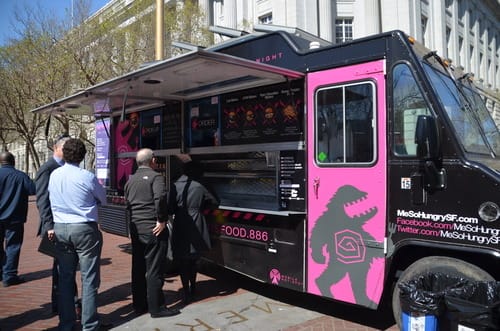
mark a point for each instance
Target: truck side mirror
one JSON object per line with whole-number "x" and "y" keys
{"x": 427, "y": 137}
{"x": 427, "y": 141}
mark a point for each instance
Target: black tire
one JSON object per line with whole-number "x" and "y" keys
{"x": 433, "y": 264}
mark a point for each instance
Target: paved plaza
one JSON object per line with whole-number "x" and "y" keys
{"x": 222, "y": 303}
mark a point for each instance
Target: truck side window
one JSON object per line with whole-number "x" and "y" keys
{"x": 408, "y": 105}
{"x": 345, "y": 125}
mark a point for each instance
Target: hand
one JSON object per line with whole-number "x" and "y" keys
{"x": 160, "y": 226}
{"x": 51, "y": 234}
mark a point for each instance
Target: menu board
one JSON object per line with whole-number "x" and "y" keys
{"x": 151, "y": 129}
{"x": 270, "y": 114}
{"x": 102, "y": 127}
{"x": 291, "y": 180}
{"x": 172, "y": 123}
{"x": 204, "y": 122}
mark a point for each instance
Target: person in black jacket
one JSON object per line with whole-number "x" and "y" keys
{"x": 46, "y": 225}
{"x": 188, "y": 198}
{"x": 15, "y": 187}
{"x": 146, "y": 197}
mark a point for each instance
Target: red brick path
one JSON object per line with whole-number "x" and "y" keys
{"x": 27, "y": 306}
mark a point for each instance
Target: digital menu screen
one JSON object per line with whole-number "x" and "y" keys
{"x": 172, "y": 123}
{"x": 151, "y": 129}
{"x": 270, "y": 114}
{"x": 204, "y": 122}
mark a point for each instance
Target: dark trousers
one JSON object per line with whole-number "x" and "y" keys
{"x": 55, "y": 291}
{"x": 12, "y": 234}
{"x": 148, "y": 258}
{"x": 188, "y": 271}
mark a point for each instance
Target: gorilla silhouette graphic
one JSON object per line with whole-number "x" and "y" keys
{"x": 340, "y": 229}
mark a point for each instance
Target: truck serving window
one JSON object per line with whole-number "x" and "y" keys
{"x": 408, "y": 104}
{"x": 461, "y": 117}
{"x": 345, "y": 126}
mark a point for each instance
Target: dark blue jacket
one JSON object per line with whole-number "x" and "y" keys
{"x": 42, "y": 195}
{"x": 15, "y": 187}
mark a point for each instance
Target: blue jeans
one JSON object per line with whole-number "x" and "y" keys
{"x": 78, "y": 243}
{"x": 12, "y": 234}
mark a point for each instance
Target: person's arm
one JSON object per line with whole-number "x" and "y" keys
{"x": 30, "y": 185}
{"x": 99, "y": 191}
{"x": 160, "y": 197}
{"x": 42, "y": 199}
{"x": 160, "y": 201}
{"x": 210, "y": 199}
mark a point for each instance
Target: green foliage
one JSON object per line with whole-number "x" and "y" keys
{"x": 54, "y": 58}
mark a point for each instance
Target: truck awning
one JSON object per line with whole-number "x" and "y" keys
{"x": 190, "y": 76}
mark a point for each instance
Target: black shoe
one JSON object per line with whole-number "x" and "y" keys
{"x": 105, "y": 326}
{"x": 14, "y": 281}
{"x": 165, "y": 312}
{"x": 187, "y": 299}
{"x": 139, "y": 312}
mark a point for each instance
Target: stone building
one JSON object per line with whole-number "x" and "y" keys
{"x": 466, "y": 32}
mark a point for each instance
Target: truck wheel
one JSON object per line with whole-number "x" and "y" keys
{"x": 435, "y": 264}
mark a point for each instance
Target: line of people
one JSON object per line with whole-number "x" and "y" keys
{"x": 68, "y": 198}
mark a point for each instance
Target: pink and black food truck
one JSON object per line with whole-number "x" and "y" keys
{"x": 342, "y": 169}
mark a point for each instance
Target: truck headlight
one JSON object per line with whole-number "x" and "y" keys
{"x": 489, "y": 211}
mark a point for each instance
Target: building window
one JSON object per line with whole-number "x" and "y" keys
{"x": 461, "y": 11}
{"x": 461, "y": 54}
{"x": 423, "y": 23}
{"x": 266, "y": 19}
{"x": 448, "y": 41}
{"x": 343, "y": 30}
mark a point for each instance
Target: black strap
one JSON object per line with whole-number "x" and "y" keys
{"x": 185, "y": 193}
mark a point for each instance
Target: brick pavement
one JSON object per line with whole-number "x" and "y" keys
{"x": 27, "y": 306}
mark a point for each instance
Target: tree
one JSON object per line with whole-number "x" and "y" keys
{"x": 54, "y": 58}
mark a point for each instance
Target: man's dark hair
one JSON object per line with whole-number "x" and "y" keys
{"x": 74, "y": 151}
{"x": 7, "y": 158}
{"x": 192, "y": 169}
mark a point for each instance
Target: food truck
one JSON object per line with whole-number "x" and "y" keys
{"x": 341, "y": 169}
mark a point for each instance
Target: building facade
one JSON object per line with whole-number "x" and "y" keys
{"x": 466, "y": 32}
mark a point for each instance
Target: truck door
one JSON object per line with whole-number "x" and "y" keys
{"x": 347, "y": 186}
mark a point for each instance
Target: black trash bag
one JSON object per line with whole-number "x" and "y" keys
{"x": 476, "y": 305}
{"x": 425, "y": 294}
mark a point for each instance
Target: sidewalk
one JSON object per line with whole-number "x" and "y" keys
{"x": 27, "y": 306}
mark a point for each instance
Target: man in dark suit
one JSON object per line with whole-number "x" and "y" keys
{"x": 146, "y": 196}
{"x": 15, "y": 187}
{"x": 46, "y": 226}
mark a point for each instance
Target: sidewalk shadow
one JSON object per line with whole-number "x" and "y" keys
{"x": 37, "y": 275}
{"x": 117, "y": 317}
{"x": 204, "y": 289}
{"x": 17, "y": 322}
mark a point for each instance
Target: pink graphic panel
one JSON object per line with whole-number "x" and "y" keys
{"x": 346, "y": 200}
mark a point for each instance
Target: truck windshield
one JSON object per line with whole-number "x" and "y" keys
{"x": 467, "y": 113}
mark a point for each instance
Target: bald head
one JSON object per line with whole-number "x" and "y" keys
{"x": 144, "y": 157}
{"x": 7, "y": 158}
